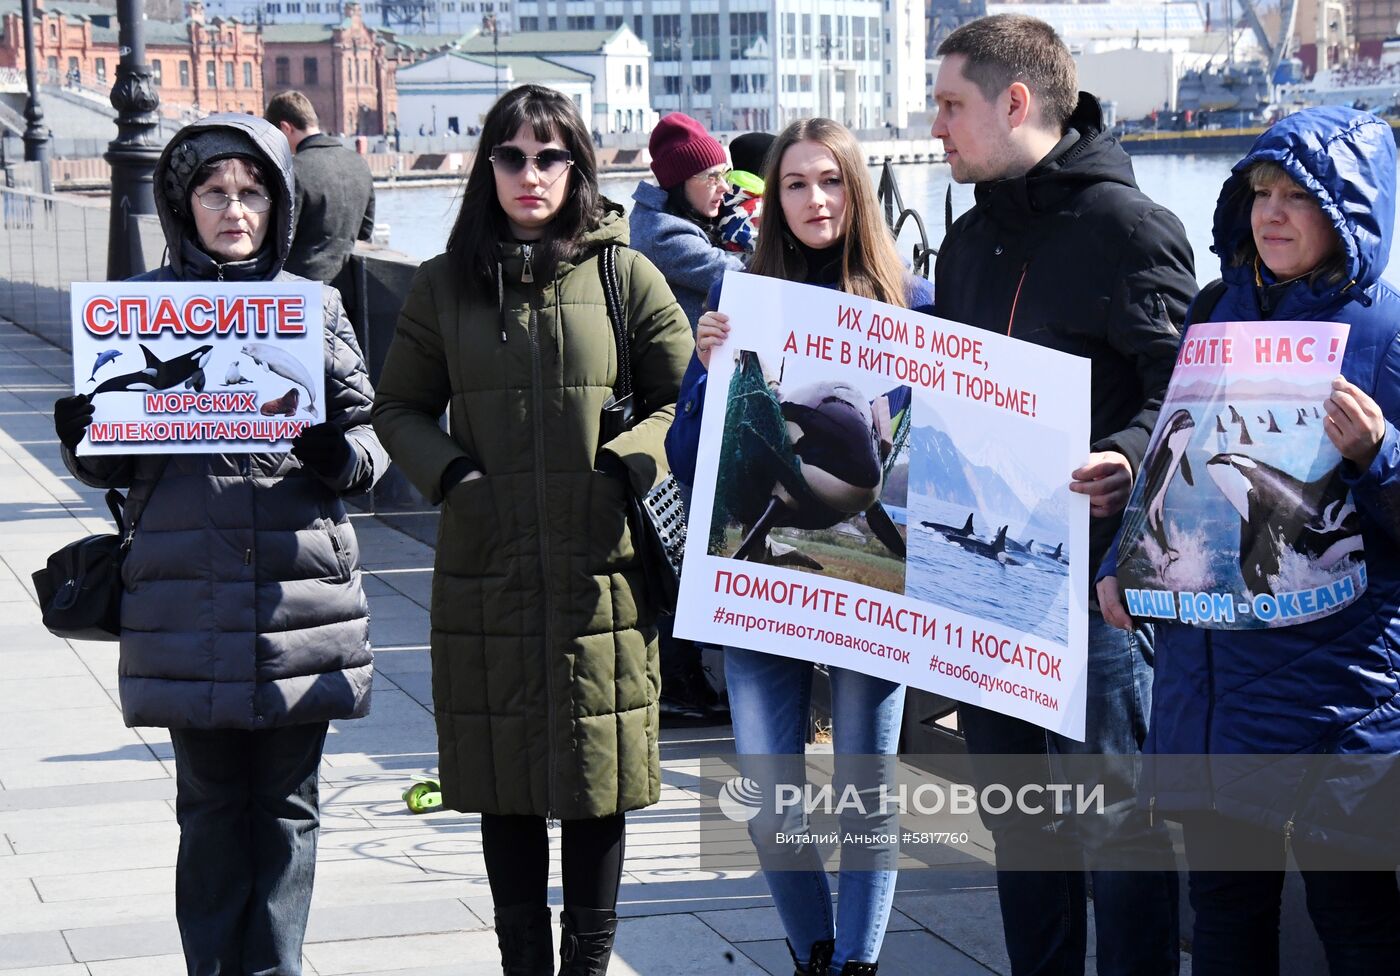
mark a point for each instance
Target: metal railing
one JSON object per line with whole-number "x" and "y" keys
{"x": 897, "y": 215}
{"x": 47, "y": 243}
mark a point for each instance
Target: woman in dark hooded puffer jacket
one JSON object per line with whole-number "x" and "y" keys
{"x": 244, "y": 629}
{"x": 1262, "y": 741}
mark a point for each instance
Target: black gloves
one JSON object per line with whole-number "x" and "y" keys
{"x": 324, "y": 449}
{"x": 71, "y": 417}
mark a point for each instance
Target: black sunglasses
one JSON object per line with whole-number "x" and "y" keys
{"x": 550, "y": 162}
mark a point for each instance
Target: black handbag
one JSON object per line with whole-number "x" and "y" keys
{"x": 658, "y": 518}
{"x": 80, "y": 589}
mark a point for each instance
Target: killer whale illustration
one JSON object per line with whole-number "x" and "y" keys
{"x": 1273, "y": 424}
{"x": 1245, "y": 439}
{"x": 103, "y": 358}
{"x": 1235, "y": 417}
{"x": 1278, "y": 511}
{"x": 995, "y": 549}
{"x": 1302, "y": 417}
{"x": 1219, "y": 427}
{"x": 945, "y": 529}
{"x": 1159, "y": 468}
{"x": 186, "y": 369}
{"x": 1059, "y": 554}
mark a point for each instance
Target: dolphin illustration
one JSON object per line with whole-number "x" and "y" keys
{"x": 234, "y": 377}
{"x": 103, "y": 358}
{"x": 1159, "y": 468}
{"x": 1315, "y": 519}
{"x": 944, "y": 529}
{"x": 186, "y": 369}
{"x": 284, "y": 365}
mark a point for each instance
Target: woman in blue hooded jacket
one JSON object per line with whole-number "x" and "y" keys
{"x": 1303, "y": 228}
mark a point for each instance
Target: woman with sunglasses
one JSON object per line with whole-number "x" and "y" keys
{"x": 675, "y": 221}
{"x": 825, "y": 229}
{"x": 545, "y": 677}
{"x": 244, "y": 629}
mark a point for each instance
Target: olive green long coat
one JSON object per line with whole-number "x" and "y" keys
{"x": 545, "y": 672}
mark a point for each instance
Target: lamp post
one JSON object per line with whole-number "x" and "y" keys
{"x": 133, "y": 153}
{"x": 36, "y": 134}
{"x": 488, "y": 23}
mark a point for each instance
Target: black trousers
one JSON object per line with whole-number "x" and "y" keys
{"x": 248, "y": 808}
{"x": 517, "y": 860}
{"x": 1356, "y": 912}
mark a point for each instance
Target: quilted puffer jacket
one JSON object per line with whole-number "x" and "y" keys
{"x": 1329, "y": 687}
{"x": 545, "y": 670}
{"x": 243, "y": 607}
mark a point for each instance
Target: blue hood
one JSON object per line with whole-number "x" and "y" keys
{"x": 1346, "y": 159}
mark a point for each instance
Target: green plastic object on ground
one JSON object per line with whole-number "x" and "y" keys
{"x": 423, "y": 797}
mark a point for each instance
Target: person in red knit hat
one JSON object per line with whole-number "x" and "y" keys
{"x": 674, "y": 222}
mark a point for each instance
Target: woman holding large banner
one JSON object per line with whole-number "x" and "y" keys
{"x": 544, "y": 643}
{"x": 1272, "y": 568}
{"x": 244, "y": 629}
{"x": 825, "y": 230}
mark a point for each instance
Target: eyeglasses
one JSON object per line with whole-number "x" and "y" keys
{"x": 551, "y": 163}
{"x": 253, "y": 201}
{"x": 713, "y": 180}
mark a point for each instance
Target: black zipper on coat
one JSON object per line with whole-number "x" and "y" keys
{"x": 537, "y": 422}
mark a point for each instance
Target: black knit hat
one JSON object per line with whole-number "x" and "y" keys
{"x": 748, "y": 151}
{"x": 197, "y": 151}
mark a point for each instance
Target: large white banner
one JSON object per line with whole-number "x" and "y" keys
{"x": 191, "y": 367}
{"x": 888, "y": 492}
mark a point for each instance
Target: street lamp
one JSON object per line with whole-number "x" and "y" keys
{"x": 489, "y": 23}
{"x": 133, "y": 153}
{"x": 36, "y": 134}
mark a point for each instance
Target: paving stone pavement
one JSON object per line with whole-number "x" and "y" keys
{"x": 87, "y": 828}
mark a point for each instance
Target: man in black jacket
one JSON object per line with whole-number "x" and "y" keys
{"x": 1062, "y": 249}
{"x": 335, "y": 192}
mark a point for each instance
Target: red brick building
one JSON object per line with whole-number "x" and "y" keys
{"x": 346, "y": 70}
{"x": 211, "y": 67}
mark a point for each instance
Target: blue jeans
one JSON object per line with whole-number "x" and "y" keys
{"x": 770, "y": 700}
{"x": 247, "y": 805}
{"x": 1356, "y": 911}
{"x": 1043, "y": 911}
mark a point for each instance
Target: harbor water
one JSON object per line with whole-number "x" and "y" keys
{"x": 420, "y": 217}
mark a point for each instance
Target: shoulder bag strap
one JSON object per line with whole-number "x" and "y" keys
{"x": 612, "y": 295}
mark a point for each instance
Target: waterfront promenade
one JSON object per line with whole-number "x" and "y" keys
{"x": 87, "y": 827}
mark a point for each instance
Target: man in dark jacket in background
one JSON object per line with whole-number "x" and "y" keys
{"x": 335, "y": 192}
{"x": 1062, "y": 249}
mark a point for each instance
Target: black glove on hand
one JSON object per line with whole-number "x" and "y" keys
{"x": 71, "y": 417}
{"x": 323, "y": 448}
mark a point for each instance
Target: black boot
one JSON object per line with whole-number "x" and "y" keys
{"x": 818, "y": 961}
{"x": 525, "y": 936}
{"x": 853, "y": 968}
{"x": 587, "y": 941}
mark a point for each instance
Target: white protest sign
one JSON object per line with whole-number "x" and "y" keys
{"x": 195, "y": 367}
{"x": 888, "y": 492}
